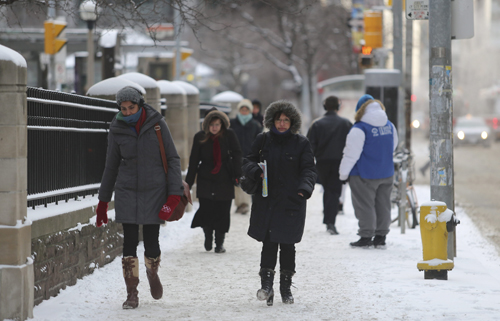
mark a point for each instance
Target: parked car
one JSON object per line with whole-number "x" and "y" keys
{"x": 493, "y": 122}
{"x": 471, "y": 130}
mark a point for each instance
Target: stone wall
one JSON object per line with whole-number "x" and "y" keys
{"x": 62, "y": 257}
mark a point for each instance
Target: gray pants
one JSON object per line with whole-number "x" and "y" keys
{"x": 371, "y": 199}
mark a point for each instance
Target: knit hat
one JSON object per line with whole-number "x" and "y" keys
{"x": 363, "y": 100}
{"x": 245, "y": 103}
{"x": 128, "y": 93}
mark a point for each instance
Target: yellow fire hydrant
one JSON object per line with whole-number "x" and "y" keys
{"x": 436, "y": 220}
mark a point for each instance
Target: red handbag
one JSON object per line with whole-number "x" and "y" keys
{"x": 179, "y": 210}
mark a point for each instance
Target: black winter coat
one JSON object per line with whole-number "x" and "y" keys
{"x": 290, "y": 170}
{"x": 246, "y": 133}
{"x": 328, "y": 136}
{"x": 218, "y": 186}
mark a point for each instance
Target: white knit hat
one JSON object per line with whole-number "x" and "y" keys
{"x": 245, "y": 103}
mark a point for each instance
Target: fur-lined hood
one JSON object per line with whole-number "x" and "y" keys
{"x": 283, "y": 107}
{"x": 213, "y": 114}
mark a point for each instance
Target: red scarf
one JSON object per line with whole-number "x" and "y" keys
{"x": 141, "y": 121}
{"x": 217, "y": 156}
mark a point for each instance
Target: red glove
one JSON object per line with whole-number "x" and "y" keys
{"x": 168, "y": 208}
{"x": 102, "y": 215}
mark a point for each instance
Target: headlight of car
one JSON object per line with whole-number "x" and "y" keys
{"x": 484, "y": 135}
{"x": 461, "y": 135}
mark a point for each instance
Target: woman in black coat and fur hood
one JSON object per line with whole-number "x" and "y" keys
{"x": 278, "y": 220}
{"x": 213, "y": 167}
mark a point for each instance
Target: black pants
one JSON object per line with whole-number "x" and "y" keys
{"x": 269, "y": 255}
{"x": 150, "y": 234}
{"x": 328, "y": 174}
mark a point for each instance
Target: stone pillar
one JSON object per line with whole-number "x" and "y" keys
{"x": 152, "y": 96}
{"x": 193, "y": 106}
{"x": 176, "y": 116}
{"x": 16, "y": 264}
{"x": 107, "y": 88}
{"x": 229, "y": 99}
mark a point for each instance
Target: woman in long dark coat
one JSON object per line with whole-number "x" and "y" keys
{"x": 278, "y": 219}
{"x": 134, "y": 171}
{"x": 216, "y": 161}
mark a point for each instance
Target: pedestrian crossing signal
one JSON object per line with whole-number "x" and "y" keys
{"x": 52, "y": 30}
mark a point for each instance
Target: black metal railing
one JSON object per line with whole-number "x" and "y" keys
{"x": 67, "y": 138}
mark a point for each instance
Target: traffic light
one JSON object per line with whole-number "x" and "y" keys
{"x": 365, "y": 58}
{"x": 373, "y": 29}
{"x": 52, "y": 30}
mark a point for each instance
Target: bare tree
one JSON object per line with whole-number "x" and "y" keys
{"x": 298, "y": 37}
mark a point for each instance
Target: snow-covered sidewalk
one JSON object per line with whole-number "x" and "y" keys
{"x": 333, "y": 280}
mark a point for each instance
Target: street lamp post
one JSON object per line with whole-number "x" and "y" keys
{"x": 88, "y": 12}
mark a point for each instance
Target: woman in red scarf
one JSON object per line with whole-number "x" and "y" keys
{"x": 215, "y": 162}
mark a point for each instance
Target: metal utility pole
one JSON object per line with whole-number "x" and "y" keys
{"x": 51, "y": 13}
{"x": 441, "y": 108}
{"x": 397, "y": 51}
{"x": 177, "y": 26}
{"x": 407, "y": 81}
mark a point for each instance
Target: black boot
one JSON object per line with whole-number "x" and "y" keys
{"x": 285, "y": 283}
{"x": 330, "y": 228}
{"x": 379, "y": 241}
{"x": 266, "y": 292}
{"x": 219, "y": 242}
{"x": 363, "y": 242}
{"x": 208, "y": 238}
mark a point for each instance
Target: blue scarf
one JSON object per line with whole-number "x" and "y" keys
{"x": 244, "y": 119}
{"x": 132, "y": 119}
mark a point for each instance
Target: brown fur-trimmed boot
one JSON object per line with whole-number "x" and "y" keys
{"x": 154, "y": 280}
{"x": 130, "y": 266}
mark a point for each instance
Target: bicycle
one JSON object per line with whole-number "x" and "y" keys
{"x": 404, "y": 175}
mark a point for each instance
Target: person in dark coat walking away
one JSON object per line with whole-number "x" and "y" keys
{"x": 256, "y": 112}
{"x": 327, "y": 136}
{"x": 246, "y": 129}
{"x": 215, "y": 162}
{"x": 278, "y": 219}
{"x": 143, "y": 194}
{"x": 368, "y": 164}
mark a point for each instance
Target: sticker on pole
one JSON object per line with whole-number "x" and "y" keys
{"x": 417, "y": 9}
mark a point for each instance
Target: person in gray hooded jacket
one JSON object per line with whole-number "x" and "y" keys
{"x": 143, "y": 194}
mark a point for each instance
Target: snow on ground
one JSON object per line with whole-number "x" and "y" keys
{"x": 333, "y": 281}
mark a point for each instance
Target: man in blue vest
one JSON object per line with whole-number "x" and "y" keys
{"x": 368, "y": 164}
